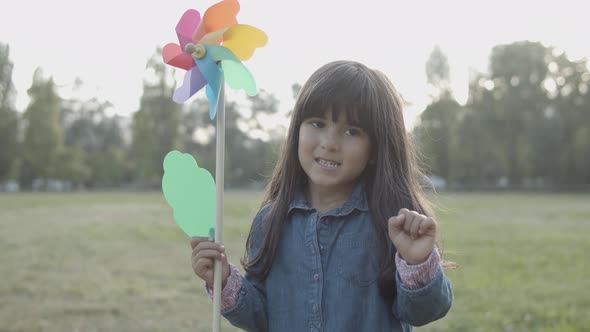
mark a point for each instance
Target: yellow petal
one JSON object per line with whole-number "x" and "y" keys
{"x": 243, "y": 39}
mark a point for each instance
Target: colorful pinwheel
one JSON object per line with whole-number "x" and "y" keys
{"x": 211, "y": 49}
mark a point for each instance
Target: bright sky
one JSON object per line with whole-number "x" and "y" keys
{"x": 107, "y": 43}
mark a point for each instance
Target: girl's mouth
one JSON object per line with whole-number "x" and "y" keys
{"x": 327, "y": 163}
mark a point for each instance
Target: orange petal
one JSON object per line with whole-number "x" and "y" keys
{"x": 220, "y": 15}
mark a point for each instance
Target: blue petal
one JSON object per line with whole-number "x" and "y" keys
{"x": 213, "y": 100}
{"x": 212, "y": 72}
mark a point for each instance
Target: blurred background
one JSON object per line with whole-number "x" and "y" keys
{"x": 497, "y": 102}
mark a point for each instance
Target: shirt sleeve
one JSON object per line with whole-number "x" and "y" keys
{"x": 231, "y": 291}
{"x": 417, "y": 276}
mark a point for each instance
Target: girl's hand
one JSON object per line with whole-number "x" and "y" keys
{"x": 205, "y": 252}
{"x": 413, "y": 235}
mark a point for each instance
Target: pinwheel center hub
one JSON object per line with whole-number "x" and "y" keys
{"x": 189, "y": 48}
{"x": 197, "y": 51}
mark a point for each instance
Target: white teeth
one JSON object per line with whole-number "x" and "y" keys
{"x": 326, "y": 163}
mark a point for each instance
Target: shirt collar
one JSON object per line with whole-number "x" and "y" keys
{"x": 356, "y": 200}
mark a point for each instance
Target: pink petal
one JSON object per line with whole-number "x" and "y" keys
{"x": 186, "y": 27}
{"x": 174, "y": 56}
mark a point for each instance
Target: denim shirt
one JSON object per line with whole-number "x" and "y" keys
{"x": 324, "y": 278}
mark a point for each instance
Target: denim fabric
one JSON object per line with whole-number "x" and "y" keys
{"x": 324, "y": 278}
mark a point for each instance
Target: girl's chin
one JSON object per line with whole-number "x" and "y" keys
{"x": 327, "y": 183}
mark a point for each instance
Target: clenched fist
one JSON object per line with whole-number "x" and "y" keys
{"x": 413, "y": 235}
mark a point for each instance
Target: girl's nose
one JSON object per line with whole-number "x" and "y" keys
{"x": 330, "y": 141}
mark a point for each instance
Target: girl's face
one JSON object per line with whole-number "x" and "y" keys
{"x": 332, "y": 154}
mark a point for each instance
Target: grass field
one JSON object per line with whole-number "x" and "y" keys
{"x": 117, "y": 262}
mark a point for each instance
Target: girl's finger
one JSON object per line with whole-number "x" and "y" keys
{"x": 204, "y": 269}
{"x": 418, "y": 220}
{"x": 428, "y": 227}
{"x": 410, "y": 219}
{"x": 397, "y": 222}
{"x": 396, "y": 225}
{"x": 195, "y": 240}
{"x": 202, "y": 264}
{"x": 403, "y": 211}
{"x": 207, "y": 253}
{"x": 207, "y": 245}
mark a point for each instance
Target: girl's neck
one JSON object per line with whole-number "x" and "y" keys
{"x": 325, "y": 199}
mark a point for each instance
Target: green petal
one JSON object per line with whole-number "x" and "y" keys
{"x": 238, "y": 76}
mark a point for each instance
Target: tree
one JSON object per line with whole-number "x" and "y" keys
{"x": 198, "y": 133}
{"x": 439, "y": 120}
{"x": 438, "y": 72}
{"x": 43, "y": 134}
{"x": 8, "y": 117}
{"x": 526, "y": 122}
{"x": 250, "y": 141}
{"x": 97, "y": 138}
{"x": 478, "y": 157}
{"x": 435, "y": 133}
{"x": 155, "y": 126}
{"x": 260, "y": 131}
{"x": 568, "y": 118}
{"x": 72, "y": 167}
{"x": 517, "y": 71}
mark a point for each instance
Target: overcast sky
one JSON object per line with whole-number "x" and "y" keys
{"x": 107, "y": 43}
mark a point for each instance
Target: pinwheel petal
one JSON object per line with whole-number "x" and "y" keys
{"x": 210, "y": 69}
{"x": 213, "y": 97}
{"x": 219, "y": 53}
{"x": 193, "y": 82}
{"x": 220, "y": 15}
{"x": 187, "y": 26}
{"x": 214, "y": 37}
{"x": 243, "y": 39}
{"x": 212, "y": 73}
{"x": 236, "y": 74}
{"x": 174, "y": 56}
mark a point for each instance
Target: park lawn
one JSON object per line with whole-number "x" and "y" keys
{"x": 117, "y": 262}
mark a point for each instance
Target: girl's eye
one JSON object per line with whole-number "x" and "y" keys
{"x": 353, "y": 131}
{"x": 317, "y": 124}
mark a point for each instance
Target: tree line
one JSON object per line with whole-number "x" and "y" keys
{"x": 526, "y": 124}
{"x": 65, "y": 144}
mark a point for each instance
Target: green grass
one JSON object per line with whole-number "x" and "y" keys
{"x": 117, "y": 262}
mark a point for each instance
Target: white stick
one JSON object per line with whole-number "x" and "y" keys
{"x": 219, "y": 165}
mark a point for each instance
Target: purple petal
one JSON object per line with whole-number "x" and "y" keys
{"x": 193, "y": 82}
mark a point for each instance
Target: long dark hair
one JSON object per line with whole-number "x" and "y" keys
{"x": 369, "y": 100}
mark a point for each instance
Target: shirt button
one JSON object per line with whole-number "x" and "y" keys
{"x": 316, "y": 277}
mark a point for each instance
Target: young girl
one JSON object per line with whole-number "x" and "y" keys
{"x": 344, "y": 240}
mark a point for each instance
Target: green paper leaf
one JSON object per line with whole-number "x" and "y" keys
{"x": 190, "y": 191}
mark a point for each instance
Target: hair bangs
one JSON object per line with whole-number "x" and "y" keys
{"x": 342, "y": 93}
